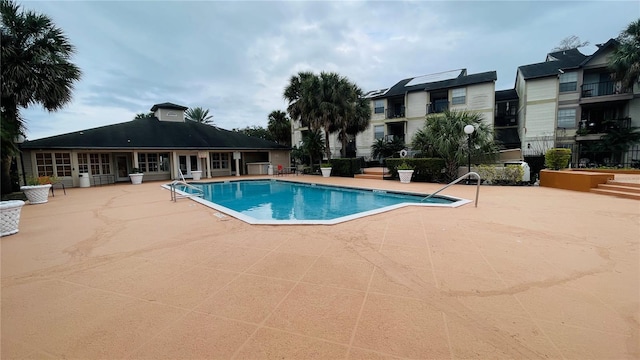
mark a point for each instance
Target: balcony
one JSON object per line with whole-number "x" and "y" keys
{"x": 392, "y": 138}
{"x": 595, "y": 129}
{"x": 604, "y": 91}
{"x": 437, "y": 106}
{"x": 395, "y": 112}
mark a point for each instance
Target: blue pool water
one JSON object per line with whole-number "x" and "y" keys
{"x": 278, "y": 202}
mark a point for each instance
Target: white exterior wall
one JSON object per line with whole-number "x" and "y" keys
{"x": 375, "y": 116}
{"x": 540, "y": 113}
{"x": 170, "y": 115}
{"x": 416, "y": 104}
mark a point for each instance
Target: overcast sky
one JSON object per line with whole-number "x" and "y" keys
{"x": 235, "y": 58}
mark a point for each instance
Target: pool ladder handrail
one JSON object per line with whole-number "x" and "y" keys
{"x": 174, "y": 194}
{"x": 467, "y": 175}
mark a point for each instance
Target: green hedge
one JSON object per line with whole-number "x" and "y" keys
{"x": 346, "y": 167}
{"x": 424, "y": 169}
{"x": 557, "y": 158}
{"x": 507, "y": 175}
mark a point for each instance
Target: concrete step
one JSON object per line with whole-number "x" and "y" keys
{"x": 622, "y": 194}
{"x": 619, "y": 187}
{"x": 376, "y": 171}
{"x": 624, "y": 183}
{"x": 369, "y": 176}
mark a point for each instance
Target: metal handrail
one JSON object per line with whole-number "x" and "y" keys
{"x": 174, "y": 194}
{"x": 457, "y": 181}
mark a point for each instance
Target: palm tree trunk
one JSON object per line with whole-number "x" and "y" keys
{"x": 327, "y": 148}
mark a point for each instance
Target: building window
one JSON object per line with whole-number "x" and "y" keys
{"x": 458, "y": 96}
{"x": 53, "y": 164}
{"x": 219, "y": 160}
{"x": 153, "y": 162}
{"x": 99, "y": 164}
{"x": 568, "y": 81}
{"x": 378, "y": 132}
{"x": 45, "y": 164}
{"x": 567, "y": 118}
{"x": 378, "y": 107}
{"x": 83, "y": 163}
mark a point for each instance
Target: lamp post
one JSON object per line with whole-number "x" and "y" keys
{"x": 469, "y": 129}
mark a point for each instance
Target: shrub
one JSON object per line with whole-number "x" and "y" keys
{"x": 557, "y": 158}
{"x": 346, "y": 167}
{"x": 508, "y": 175}
{"x": 424, "y": 169}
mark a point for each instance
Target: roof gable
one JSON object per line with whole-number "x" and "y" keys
{"x": 168, "y": 105}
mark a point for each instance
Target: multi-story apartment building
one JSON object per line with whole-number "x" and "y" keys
{"x": 401, "y": 110}
{"x": 571, "y": 100}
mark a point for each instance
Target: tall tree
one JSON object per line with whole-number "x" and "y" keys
{"x": 326, "y": 101}
{"x": 444, "y": 135}
{"x": 355, "y": 115}
{"x": 199, "y": 114}
{"x": 301, "y": 95}
{"x": 143, "y": 115}
{"x": 280, "y": 127}
{"x": 256, "y": 131}
{"x": 570, "y": 42}
{"x": 36, "y": 69}
{"x": 625, "y": 59}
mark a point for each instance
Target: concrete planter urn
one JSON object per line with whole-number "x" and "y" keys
{"x": 10, "y": 216}
{"x": 326, "y": 171}
{"x": 36, "y": 194}
{"x": 136, "y": 178}
{"x": 405, "y": 176}
{"x": 196, "y": 175}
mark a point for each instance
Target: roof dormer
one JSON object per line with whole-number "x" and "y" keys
{"x": 169, "y": 112}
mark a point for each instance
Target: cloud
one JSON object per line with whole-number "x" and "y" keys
{"x": 235, "y": 58}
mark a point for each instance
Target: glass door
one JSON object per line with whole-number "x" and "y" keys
{"x": 187, "y": 163}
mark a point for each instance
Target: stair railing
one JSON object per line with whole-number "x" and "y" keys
{"x": 467, "y": 175}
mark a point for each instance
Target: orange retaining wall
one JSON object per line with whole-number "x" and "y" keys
{"x": 573, "y": 180}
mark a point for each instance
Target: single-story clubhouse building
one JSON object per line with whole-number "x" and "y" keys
{"x": 161, "y": 146}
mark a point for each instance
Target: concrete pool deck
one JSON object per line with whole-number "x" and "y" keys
{"x": 120, "y": 271}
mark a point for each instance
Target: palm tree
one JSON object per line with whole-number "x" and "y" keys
{"x": 356, "y": 115}
{"x": 280, "y": 127}
{"x": 382, "y": 148}
{"x": 625, "y": 59}
{"x": 199, "y": 114}
{"x": 301, "y": 95}
{"x": 143, "y": 116}
{"x": 312, "y": 145}
{"x": 35, "y": 70}
{"x": 444, "y": 135}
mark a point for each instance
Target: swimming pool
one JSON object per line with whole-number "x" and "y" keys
{"x": 277, "y": 202}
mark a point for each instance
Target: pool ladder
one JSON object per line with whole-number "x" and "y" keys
{"x": 467, "y": 175}
{"x": 198, "y": 192}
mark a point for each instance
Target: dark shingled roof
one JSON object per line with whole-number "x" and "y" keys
{"x": 151, "y": 133}
{"x": 566, "y": 59}
{"x": 462, "y": 80}
{"x": 168, "y": 105}
{"x": 601, "y": 48}
{"x": 509, "y": 94}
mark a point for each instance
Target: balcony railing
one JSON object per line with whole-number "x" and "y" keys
{"x": 437, "y": 106}
{"x": 600, "y": 127}
{"x": 603, "y": 88}
{"x": 395, "y": 113}
{"x": 391, "y": 138}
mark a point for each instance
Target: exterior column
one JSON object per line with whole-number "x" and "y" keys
{"x": 135, "y": 159}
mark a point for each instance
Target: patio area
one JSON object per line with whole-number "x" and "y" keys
{"x": 120, "y": 271}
